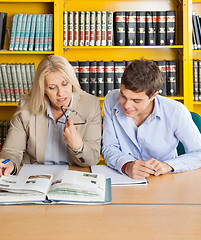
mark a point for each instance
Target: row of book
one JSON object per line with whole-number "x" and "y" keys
{"x": 196, "y": 30}
{"x": 4, "y": 126}
{"x": 196, "y": 80}
{"x": 3, "y": 19}
{"x": 15, "y": 80}
{"x": 32, "y": 32}
{"x": 122, "y": 28}
{"x": 87, "y": 28}
{"x": 99, "y": 78}
{"x": 144, "y": 28}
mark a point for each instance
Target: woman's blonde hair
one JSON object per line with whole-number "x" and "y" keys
{"x": 36, "y": 101}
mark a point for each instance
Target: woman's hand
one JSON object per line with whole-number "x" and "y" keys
{"x": 5, "y": 169}
{"x": 71, "y": 135}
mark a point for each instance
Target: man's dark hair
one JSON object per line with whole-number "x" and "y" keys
{"x": 143, "y": 75}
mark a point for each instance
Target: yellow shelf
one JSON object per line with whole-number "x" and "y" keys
{"x": 197, "y": 51}
{"x": 27, "y": 1}
{"x": 122, "y": 47}
{"x": 176, "y": 97}
{"x": 2, "y": 52}
{"x": 101, "y": 98}
{"x": 8, "y": 104}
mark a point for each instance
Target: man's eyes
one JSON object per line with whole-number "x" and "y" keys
{"x": 136, "y": 101}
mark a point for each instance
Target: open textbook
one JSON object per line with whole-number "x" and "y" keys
{"x": 116, "y": 177}
{"x": 64, "y": 187}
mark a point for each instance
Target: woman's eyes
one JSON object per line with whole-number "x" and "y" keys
{"x": 54, "y": 87}
{"x": 65, "y": 83}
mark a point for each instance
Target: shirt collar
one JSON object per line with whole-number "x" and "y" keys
{"x": 156, "y": 110}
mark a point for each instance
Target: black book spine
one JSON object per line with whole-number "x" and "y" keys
{"x": 75, "y": 65}
{"x": 150, "y": 34}
{"x": 195, "y": 28}
{"x": 171, "y": 80}
{"x": 130, "y": 28}
{"x": 84, "y": 75}
{"x": 119, "y": 28}
{"x": 195, "y": 47}
{"x": 154, "y": 25}
{"x": 161, "y": 28}
{"x": 140, "y": 27}
{"x": 109, "y": 77}
{"x": 3, "y": 19}
{"x": 100, "y": 78}
{"x": 162, "y": 67}
{"x": 195, "y": 81}
{"x": 170, "y": 26}
{"x": 119, "y": 68}
{"x": 93, "y": 78}
{"x": 199, "y": 26}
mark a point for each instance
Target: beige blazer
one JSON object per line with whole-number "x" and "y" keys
{"x": 27, "y": 135}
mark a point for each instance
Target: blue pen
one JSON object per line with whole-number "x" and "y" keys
{"x": 138, "y": 159}
{"x": 6, "y": 161}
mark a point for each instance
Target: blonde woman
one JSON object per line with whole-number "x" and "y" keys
{"x": 57, "y": 122}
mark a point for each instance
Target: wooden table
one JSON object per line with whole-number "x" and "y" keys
{"x": 172, "y": 188}
{"x": 169, "y": 207}
{"x": 101, "y": 222}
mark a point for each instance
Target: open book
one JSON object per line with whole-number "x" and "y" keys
{"x": 64, "y": 187}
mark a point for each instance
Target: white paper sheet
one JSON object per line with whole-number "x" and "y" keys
{"x": 116, "y": 177}
{"x": 30, "y": 169}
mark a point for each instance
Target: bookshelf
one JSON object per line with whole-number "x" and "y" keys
{"x": 118, "y": 53}
{"x": 181, "y": 51}
{"x": 24, "y": 57}
{"x": 194, "y": 5}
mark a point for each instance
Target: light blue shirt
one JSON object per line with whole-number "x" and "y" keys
{"x": 157, "y": 137}
{"x": 56, "y": 148}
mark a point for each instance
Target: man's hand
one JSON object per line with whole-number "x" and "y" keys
{"x": 160, "y": 167}
{"x": 139, "y": 169}
{"x": 5, "y": 169}
{"x": 71, "y": 136}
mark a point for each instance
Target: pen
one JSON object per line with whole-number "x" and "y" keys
{"x": 6, "y": 161}
{"x": 138, "y": 159}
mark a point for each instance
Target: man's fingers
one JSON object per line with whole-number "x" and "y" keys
{"x": 147, "y": 168}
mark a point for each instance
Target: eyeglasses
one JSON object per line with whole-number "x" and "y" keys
{"x": 75, "y": 113}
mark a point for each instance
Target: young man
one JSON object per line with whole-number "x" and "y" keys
{"x": 141, "y": 129}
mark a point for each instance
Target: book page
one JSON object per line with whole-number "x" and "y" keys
{"x": 77, "y": 185}
{"x": 26, "y": 183}
{"x": 116, "y": 177}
